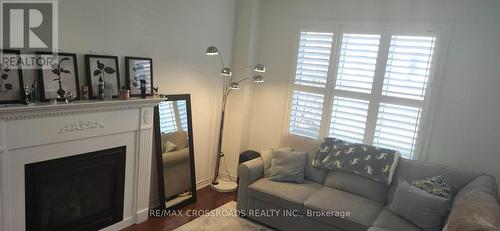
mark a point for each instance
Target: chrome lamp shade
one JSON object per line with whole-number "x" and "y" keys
{"x": 212, "y": 51}
{"x": 258, "y": 79}
{"x": 259, "y": 68}
{"x": 226, "y": 71}
{"x": 235, "y": 86}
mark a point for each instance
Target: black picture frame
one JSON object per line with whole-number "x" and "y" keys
{"x": 91, "y": 73}
{"x": 44, "y": 96}
{"x": 3, "y": 74}
{"x": 134, "y": 89}
{"x": 158, "y": 149}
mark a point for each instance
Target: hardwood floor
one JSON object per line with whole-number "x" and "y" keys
{"x": 207, "y": 200}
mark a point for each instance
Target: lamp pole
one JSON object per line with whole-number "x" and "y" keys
{"x": 221, "y": 132}
{"x": 228, "y": 86}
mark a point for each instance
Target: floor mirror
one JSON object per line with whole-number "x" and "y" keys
{"x": 175, "y": 152}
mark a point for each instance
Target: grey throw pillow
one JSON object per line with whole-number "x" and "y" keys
{"x": 267, "y": 156}
{"x": 423, "y": 209}
{"x": 288, "y": 166}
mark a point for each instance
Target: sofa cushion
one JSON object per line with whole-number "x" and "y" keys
{"x": 267, "y": 156}
{"x": 179, "y": 138}
{"x": 310, "y": 146}
{"x": 357, "y": 184}
{"x": 362, "y": 211}
{"x": 288, "y": 166}
{"x": 414, "y": 170}
{"x": 283, "y": 194}
{"x": 378, "y": 229}
{"x": 418, "y": 206}
{"x": 388, "y": 220}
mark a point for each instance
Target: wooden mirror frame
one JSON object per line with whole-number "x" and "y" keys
{"x": 159, "y": 157}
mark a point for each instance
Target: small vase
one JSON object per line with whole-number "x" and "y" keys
{"x": 60, "y": 92}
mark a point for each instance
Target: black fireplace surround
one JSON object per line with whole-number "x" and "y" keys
{"x": 81, "y": 192}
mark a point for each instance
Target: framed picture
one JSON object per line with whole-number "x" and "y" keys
{"x": 59, "y": 78}
{"x": 138, "y": 69}
{"x": 102, "y": 67}
{"x": 11, "y": 79}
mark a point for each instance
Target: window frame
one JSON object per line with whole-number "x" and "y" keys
{"x": 386, "y": 29}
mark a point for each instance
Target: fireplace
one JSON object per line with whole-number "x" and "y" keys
{"x": 42, "y": 132}
{"x": 79, "y": 192}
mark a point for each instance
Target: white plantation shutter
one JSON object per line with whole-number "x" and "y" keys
{"x": 167, "y": 118}
{"x": 406, "y": 76}
{"x": 305, "y": 118}
{"x": 408, "y": 66}
{"x": 397, "y": 128}
{"x": 173, "y": 116}
{"x": 313, "y": 59}
{"x": 348, "y": 121}
{"x": 311, "y": 75}
{"x": 358, "y": 56}
{"x": 182, "y": 112}
{"x": 362, "y": 100}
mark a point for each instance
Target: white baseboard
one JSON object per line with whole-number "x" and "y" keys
{"x": 142, "y": 215}
{"x": 206, "y": 182}
{"x": 154, "y": 202}
{"x": 120, "y": 225}
{"x": 203, "y": 183}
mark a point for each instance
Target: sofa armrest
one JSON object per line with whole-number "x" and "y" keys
{"x": 248, "y": 172}
{"x": 175, "y": 157}
{"x": 483, "y": 183}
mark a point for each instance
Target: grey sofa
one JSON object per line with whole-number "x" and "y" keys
{"x": 366, "y": 200}
{"x": 176, "y": 165}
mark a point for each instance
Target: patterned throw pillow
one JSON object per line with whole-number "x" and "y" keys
{"x": 435, "y": 185}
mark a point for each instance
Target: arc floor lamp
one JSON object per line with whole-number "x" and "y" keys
{"x": 229, "y": 84}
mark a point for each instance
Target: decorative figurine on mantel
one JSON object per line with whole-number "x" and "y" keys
{"x": 85, "y": 92}
{"x": 100, "y": 89}
{"x": 143, "y": 88}
{"x": 155, "y": 91}
{"x": 27, "y": 95}
{"x": 124, "y": 94}
{"x": 69, "y": 97}
{"x": 34, "y": 92}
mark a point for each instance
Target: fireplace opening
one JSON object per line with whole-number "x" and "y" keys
{"x": 81, "y": 192}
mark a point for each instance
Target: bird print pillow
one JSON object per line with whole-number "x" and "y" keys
{"x": 375, "y": 163}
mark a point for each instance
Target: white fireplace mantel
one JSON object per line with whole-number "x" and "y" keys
{"x": 40, "y": 132}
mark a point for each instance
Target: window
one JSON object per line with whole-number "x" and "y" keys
{"x": 310, "y": 83}
{"x": 174, "y": 116}
{"x": 362, "y": 87}
{"x": 348, "y": 120}
{"x": 358, "y": 56}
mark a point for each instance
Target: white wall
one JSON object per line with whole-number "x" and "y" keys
{"x": 175, "y": 34}
{"x": 238, "y": 109}
{"x": 466, "y": 130}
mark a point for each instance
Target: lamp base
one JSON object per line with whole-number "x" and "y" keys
{"x": 224, "y": 186}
